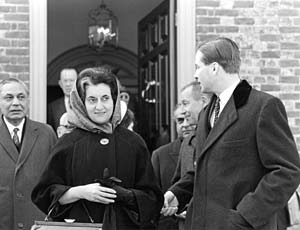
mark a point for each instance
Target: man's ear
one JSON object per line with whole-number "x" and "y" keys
{"x": 215, "y": 68}
{"x": 60, "y": 84}
{"x": 205, "y": 100}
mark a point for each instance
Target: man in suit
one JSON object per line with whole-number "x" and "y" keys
{"x": 24, "y": 148}
{"x": 248, "y": 164}
{"x": 164, "y": 160}
{"x": 191, "y": 101}
{"x": 58, "y": 107}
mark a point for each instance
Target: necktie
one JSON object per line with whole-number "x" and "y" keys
{"x": 217, "y": 110}
{"x": 16, "y": 138}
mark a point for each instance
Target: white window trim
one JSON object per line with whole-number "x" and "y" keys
{"x": 38, "y": 59}
{"x": 186, "y": 42}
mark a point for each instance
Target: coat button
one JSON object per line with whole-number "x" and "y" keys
{"x": 20, "y": 225}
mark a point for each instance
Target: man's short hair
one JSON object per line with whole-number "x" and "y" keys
{"x": 196, "y": 89}
{"x": 12, "y": 79}
{"x": 65, "y": 70}
{"x": 222, "y": 50}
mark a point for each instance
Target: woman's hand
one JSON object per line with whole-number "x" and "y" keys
{"x": 91, "y": 192}
{"x": 97, "y": 193}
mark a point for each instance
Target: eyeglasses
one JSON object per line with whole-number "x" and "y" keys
{"x": 180, "y": 120}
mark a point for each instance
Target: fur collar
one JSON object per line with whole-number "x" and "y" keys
{"x": 241, "y": 93}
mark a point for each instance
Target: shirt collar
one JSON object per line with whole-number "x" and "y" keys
{"x": 11, "y": 127}
{"x": 67, "y": 102}
{"x": 226, "y": 94}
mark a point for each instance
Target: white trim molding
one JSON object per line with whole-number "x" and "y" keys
{"x": 186, "y": 42}
{"x": 38, "y": 59}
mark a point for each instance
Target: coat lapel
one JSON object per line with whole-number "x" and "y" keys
{"x": 203, "y": 127}
{"x": 30, "y": 137}
{"x": 7, "y": 142}
{"x": 228, "y": 116}
{"x": 175, "y": 147}
{"x": 61, "y": 106}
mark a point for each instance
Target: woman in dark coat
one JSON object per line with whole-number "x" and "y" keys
{"x": 100, "y": 172}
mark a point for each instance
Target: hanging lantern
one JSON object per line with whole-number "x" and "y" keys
{"x": 103, "y": 27}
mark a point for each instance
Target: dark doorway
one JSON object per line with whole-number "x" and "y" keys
{"x": 154, "y": 75}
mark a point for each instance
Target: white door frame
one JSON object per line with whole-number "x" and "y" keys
{"x": 38, "y": 59}
{"x": 185, "y": 21}
{"x": 186, "y": 40}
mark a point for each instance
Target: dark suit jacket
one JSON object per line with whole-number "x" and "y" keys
{"x": 248, "y": 165}
{"x": 20, "y": 172}
{"x": 164, "y": 160}
{"x": 54, "y": 111}
{"x": 186, "y": 158}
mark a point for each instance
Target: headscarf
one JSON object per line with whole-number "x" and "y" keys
{"x": 78, "y": 115}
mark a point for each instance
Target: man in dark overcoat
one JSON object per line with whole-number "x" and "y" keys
{"x": 61, "y": 105}
{"x": 24, "y": 149}
{"x": 164, "y": 160}
{"x": 248, "y": 164}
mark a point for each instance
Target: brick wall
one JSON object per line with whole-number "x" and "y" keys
{"x": 268, "y": 33}
{"x": 14, "y": 39}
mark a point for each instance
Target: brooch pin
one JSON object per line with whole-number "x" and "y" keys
{"x": 104, "y": 141}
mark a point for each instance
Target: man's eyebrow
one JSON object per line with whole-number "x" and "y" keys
{"x": 8, "y": 94}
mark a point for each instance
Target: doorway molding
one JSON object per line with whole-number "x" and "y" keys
{"x": 186, "y": 42}
{"x": 38, "y": 59}
{"x": 185, "y": 21}
{"x": 83, "y": 56}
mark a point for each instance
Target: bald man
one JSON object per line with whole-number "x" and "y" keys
{"x": 58, "y": 107}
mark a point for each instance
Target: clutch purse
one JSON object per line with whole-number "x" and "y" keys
{"x": 52, "y": 225}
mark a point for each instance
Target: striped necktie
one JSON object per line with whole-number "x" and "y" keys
{"x": 217, "y": 110}
{"x": 16, "y": 139}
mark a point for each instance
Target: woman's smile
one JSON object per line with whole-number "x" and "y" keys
{"x": 99, "y": 103}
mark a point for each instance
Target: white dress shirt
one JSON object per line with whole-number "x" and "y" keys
{"x": 67, "y": 103}
{"x": 11, "y": 128}
{"x": 224, "y": 98}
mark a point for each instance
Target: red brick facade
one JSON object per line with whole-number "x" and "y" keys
{"x": 268, "y": 33}
{"x": 14, "y": 39}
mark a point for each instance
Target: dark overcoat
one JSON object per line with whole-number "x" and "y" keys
{"x": 164, "y": 160}
{"x": 80, "y": 158}
{"x": 248, "y": 165}
{"x": 54, "y": 112}
{"x": 186, "y": 158}
{"x": 19, "y": 173}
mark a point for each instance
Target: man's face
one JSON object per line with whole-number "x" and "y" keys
{"x": 14, "y": 102}
{"x": 67, "y": 81}
{"x": 184, "y": 125}
{"x": 203, "y": 74}
{"x": 189, "y": 105}
{"x": 189, "y": 125}
{"x": 179, "y": 119}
